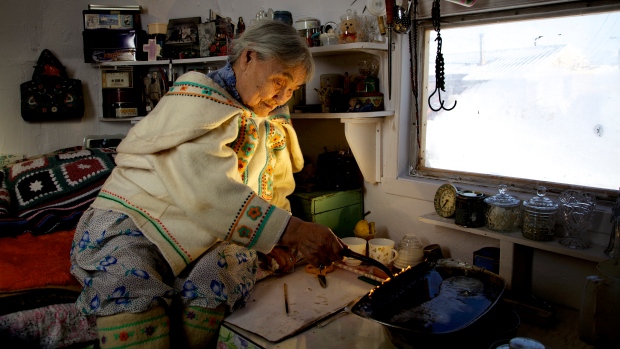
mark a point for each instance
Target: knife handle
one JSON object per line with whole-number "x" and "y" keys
{"x": 389, "y": 12}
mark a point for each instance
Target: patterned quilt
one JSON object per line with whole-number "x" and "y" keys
{"x": 50, "y": 192}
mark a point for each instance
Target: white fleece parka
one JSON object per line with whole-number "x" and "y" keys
{"x": 201, "y": 168}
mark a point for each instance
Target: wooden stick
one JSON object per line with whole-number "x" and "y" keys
{"x": 359, "y": 272}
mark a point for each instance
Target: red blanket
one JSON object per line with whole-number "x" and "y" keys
{"x": 28, "y": 262}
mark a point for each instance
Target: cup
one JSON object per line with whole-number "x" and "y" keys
{"x": 382, "y": 250}
{"x": 356, "y": 245}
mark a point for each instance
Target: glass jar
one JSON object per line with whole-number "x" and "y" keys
{"x": 410, "y": 252}
{"x": 469, "y": 209}
{"x": 503, "y": 212}
{"x": 539, "y": 217}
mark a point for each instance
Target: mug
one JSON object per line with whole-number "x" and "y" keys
{"x": 382, "y": 250}
{"x": 599, "y": 316}
{"x": 356, "y": 245}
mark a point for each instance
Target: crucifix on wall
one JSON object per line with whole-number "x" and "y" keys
{"x": 153, "y": 49}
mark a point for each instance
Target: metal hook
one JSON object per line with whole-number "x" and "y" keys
{"x": 438, "y": 91}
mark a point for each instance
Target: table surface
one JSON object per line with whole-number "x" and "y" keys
{"x": 352, "y": 331}
{"x": 308, "y": 303}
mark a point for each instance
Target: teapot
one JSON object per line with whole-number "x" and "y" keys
{"x": 599, "y": 316}
{"x": 330, "y": 34}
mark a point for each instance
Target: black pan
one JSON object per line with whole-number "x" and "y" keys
{"x": 432, "y": 299}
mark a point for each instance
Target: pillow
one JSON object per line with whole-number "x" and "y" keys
{"x": 43, "y": 194}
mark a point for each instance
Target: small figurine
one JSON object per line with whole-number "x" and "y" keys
{"x": 349, "y": 28}
{"x": 240, "y": 26}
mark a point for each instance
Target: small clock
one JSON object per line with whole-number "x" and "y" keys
{"x": 445, "y": 200}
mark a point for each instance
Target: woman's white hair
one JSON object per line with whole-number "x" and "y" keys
{"x": 274, "y": 39}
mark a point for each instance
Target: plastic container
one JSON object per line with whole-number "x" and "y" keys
{"x": 309, "y": 29}
{"x": 157, "y": 28}
{"x": 503, "y": 212}
{"x": 539, "y": 217}
{"x": 283, "y": 16}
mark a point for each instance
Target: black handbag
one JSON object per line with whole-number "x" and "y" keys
{"x": 51, "y": 95}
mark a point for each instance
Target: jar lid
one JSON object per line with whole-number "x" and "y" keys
{"x": 349, "y": 15}
{"x": 502, "y": 199}
{"x": 307, "y": 23}
{"x": 410, "y": 241}
{"x": 469, "y": 195}
{"x": 540, "y": 201}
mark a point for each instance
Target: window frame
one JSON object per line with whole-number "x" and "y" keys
{"x": 415, "y": 168}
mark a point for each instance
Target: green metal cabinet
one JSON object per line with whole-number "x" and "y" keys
{"x": 338, "y": 210}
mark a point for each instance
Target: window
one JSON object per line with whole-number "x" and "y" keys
{"x": 536, "y": 101}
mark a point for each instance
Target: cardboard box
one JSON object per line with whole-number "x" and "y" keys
{"x": 487, "y": 258}
{"x": 338, "y": 210}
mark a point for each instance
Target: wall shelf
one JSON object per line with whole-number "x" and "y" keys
{"x": 369, "y": 47}
{"x": 509, "y": 240}
{"x": 365, "y": 115}
{"x": 133, "y": 120}
{"x": 362, "y": 130}
{"x": 218, "y": 59}
{"x": 376, "y": 115}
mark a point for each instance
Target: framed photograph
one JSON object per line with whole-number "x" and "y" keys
{"x": 206, "y": 34}
{"x": 182, "y": 31}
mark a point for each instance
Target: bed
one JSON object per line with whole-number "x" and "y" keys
{"x": 41, "y": 200}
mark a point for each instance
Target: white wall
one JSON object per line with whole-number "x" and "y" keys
{"x": 29, "y": 26}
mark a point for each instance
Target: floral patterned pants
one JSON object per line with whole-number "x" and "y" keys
{"x": 122, "y": 271}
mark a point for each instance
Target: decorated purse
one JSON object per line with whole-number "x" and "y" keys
{"x": 51, "y": 95}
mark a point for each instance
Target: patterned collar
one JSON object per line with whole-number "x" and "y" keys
{"x": 225, "y": 77}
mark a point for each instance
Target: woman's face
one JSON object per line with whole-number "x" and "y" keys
{"x": 265, "y": 85}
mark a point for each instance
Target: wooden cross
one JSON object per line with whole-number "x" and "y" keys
{"x": 153, "y": 49}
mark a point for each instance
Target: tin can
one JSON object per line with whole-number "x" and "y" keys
{"x": 469, "y": 209}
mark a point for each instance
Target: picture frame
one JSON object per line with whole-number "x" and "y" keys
{"x": 182, "y": 31}
{"x": 206, "y": 35}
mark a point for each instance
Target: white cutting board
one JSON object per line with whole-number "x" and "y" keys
{"x": 308, "y": 302}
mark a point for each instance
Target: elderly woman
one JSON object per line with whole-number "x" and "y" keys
{"x": 199, "y": 192}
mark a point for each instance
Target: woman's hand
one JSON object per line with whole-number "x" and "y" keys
{"x": 284, "y": 257}
{"x": 317, "y": 243}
